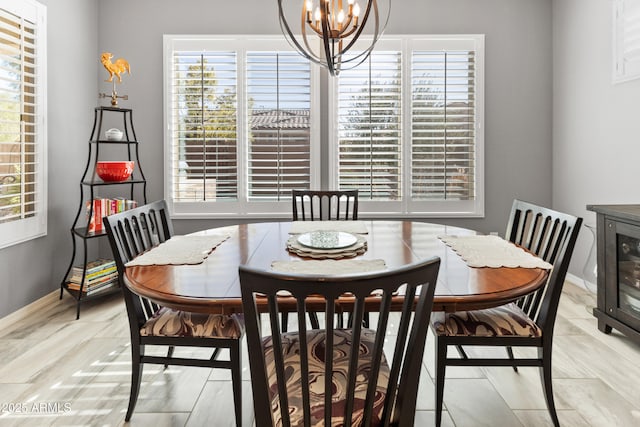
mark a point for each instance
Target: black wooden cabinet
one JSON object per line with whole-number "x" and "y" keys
{"x": 618, "y": 242}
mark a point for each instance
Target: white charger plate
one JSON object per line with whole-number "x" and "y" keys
{"x": 327, "y": 239}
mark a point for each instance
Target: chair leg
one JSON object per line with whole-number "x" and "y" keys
{"x": 236, "y": 380}
{"x": 545, "y": 376}
{"x": 136, "y": 379}
{"x": 441, "y": 365}
{"x": 284, "y": 321}
{"x": 510, "y": 353}
{"x": 169, "y": 354}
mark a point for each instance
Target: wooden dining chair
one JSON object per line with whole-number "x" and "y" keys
{"x": 308, "y": 205}
{"x": 337, "y": 376}
{"x": 528, "y": 322}
{"x": 138, "y": 230}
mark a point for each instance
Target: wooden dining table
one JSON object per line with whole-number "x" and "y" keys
{"x": 213, "y": 286}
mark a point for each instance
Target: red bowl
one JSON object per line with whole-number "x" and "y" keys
{"x": 115, "y": 171}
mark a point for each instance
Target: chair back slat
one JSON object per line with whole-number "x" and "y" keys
{"x": 131, "y": 233}
{"x": 360, "y": 350}
{"x": 551, "y": 235}
{"x": 310, "y": 205}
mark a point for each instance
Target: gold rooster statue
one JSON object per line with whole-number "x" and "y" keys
{"x": 120, "y": 66}
{"x": 116, "y": 68}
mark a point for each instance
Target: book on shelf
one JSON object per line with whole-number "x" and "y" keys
{"x": 94, "y": 266}
{"x": 89, "y": 281}
{"x": 88, "y": 290}
{"x": 98, "y": 208}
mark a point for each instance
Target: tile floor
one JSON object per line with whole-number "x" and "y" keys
{"x": 56, "y": 371}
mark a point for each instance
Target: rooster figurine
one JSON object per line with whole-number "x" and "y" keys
{"x": 118, "y": 67}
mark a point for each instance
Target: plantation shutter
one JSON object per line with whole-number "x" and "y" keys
{"x": 443, "y": 103}
{"x": 369, "y": 127}
{"x": 626, "y": 40}
{"x": 279, "y": 102}
{"x": 22, "y": 132}
{"x": 204, "y": 126}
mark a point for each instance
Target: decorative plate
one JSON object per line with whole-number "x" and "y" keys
{"x": 327, "y": 239}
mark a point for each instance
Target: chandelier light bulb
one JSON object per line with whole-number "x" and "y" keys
{"x": 356, "y": 10}
{"x": 341, "y": 16}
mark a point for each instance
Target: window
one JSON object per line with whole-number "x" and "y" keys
{"x": 240, "y": 121}
{"x": 626, "y": 40}
{"x": 408, "y": 127}
{"x": 404, "y": 127}
{"x": 23, "y": 210}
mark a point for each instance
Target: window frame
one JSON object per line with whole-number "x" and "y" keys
{"x": 326, "y": 118}
{"x": 231, "y": 209}
{"x": 406, "y": 207}
{"x": 25, "y": 229}
{"x": 625, "y": 45}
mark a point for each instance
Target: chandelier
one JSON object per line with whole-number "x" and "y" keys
{"x": 338, "y": 24}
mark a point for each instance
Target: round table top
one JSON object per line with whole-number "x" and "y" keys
{"x": 214, "y": 287}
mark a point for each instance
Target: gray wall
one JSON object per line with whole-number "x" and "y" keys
{"x": 35, "y": 268}
{"x": 518, "y": 88}
{"x": 596, "y": 129}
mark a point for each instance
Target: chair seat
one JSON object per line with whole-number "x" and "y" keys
{"x": 506, "y": 320}
{"x": 174, "y": 323}
{"x": 342, "y": 347}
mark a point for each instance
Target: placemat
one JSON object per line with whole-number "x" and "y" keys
{"x": 348, "y": 266}
{"x": 492, "y": 251}
{"x": 180, "y": 250}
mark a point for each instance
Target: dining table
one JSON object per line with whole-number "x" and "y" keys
{"x": 213, "y": 285}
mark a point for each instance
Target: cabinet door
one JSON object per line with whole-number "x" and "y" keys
{"x": 623, "y": 272}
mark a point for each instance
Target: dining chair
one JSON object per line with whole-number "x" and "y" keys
{"x": 136, "y": 231}
{"x": 338, "y": 376}
{"x": 309, "y": 205}
{"x": 528, "y": 322}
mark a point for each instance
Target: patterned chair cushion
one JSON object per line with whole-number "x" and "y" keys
{"x": 342, "y": 347}
{"x": 506, "y": 320}
{"x": 174, "y": 323}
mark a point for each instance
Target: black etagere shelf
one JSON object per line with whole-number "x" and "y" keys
{"x": 136, "y": 183}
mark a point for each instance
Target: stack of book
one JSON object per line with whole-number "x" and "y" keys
{"x": 100, "y": 274}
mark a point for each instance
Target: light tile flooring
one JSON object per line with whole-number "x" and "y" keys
{"x": 56, "y": 371}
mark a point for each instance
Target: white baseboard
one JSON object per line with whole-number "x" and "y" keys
{"x": 27, "y": 310}
{"x": 577, "y": 281}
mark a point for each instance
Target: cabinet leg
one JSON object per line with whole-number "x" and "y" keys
{"x": 603, "y": 327}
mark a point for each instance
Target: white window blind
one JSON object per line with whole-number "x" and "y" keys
{"x": 404, "y": 127}
{"x": 22, "y": 132}
{"x": 239, "y": 125}
{"x": 369, "y": 117}
{"x": 279, "y": 106}
{"x": 204, "y": 137}
{"x": 626, "y": 40}
{"x": 409, "y": 123}
{"x": 443, "y": 125}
